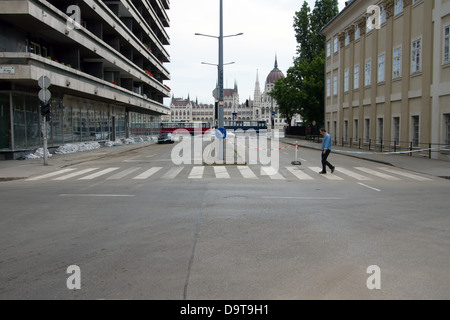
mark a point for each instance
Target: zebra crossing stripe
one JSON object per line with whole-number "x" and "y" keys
{"x": 272, "y": 173}
{"x": 405, "y": 174}
{"x": 123, "y": 174}
{"x": 99, "y": 174}
{"x": 75, "y": 174}
{"x": 301, "y": 175}
{"x": 247, "y": 173}
{"x": 172, "y": 173}
{"x": 377, "y": 174}
{"x": 352, "y": 174}
{"x": 221, "y": 173}
{"x": 147, "y": 174}
{"x": 328, "y": 176}
{"x": 197, "y": 173}
{"x": 50, "y": 175}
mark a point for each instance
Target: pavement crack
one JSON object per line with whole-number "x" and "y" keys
{"x": 191, "y": 259}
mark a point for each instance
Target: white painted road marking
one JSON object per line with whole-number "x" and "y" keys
{"x": 147, "y": 174}
{"x": 328, "y": 176}
{"x": 99, "y": 174}
{"x": 123, "y": 174}
{"x": 372, "y": 188}
{"x": 378, "y": 174}
{"x": 197, "y": 173}
{"x": 75, "y": 174}
{"x": 51, "y": 174}
{"x": 299, "y": 173}
{"x": 247, "y": 173}
{"x": 352, "y": 174}
{"x": 221, "y": 173}
{"x": 406, "y": 174}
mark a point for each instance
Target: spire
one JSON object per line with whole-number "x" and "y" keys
{"x": 276, "y": 61}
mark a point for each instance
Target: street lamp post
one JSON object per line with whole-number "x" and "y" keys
{"x": 220, "y": 76}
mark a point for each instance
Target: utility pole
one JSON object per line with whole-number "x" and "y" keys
{"x": 220, "y": 76}
{"x": 220, "y": 66}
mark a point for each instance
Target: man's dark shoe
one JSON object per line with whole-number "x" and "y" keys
{"x": 332, "y": 169}
{"x": 322, "y": 172}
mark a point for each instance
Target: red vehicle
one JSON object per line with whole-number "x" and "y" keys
{"x": 191, "y": 127}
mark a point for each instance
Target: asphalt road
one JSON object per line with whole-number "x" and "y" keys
{"x": 140, "y": 227}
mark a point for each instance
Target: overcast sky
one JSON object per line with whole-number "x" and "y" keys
{"x": 268, "y": 31}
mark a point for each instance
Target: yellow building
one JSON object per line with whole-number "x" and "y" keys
{"x": 388, "y": 74}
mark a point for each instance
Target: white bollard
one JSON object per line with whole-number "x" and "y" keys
{"x": 296, "y": 162}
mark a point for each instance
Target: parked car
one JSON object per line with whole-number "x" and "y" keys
{"x": 165, "y": 137}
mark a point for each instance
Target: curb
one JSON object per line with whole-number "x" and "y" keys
{"x": 6, "y": 179}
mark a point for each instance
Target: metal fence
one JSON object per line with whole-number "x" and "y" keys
{"x": 410, "y": 148}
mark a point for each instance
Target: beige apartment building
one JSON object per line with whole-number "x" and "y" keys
{"x": 388, "y": 81}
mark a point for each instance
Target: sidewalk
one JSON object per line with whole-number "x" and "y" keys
{"x": 23, "y": 169}
{"x": 437, "y": 168}
{"x": 17, "y": 170}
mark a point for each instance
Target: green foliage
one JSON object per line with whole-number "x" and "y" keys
{"x": 303, "y": 90}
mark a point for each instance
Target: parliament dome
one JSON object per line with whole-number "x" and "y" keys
{"x": 275, "y": 74}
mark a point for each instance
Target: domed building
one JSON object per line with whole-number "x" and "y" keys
{"x": 264, "y": 106}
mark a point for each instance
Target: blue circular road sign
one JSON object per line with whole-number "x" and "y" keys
{"x": 221, "y": 134}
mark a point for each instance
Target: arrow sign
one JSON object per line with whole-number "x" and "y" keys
{"x": 44, "y": 82}
{"x": 45, "y": 95}
{"x": 221, "y": 134}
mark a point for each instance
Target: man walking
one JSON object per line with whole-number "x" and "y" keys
{"x": 326, "y": 150}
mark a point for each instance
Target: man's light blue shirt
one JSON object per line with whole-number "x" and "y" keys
{"x": 326, "y": 143}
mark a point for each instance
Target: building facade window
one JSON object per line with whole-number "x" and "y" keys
{"x": 356, "y": 78}
{"x": 356, "y": 129}
{"x": 336, "y": 44}
{"x": 346, "y": 130}
{"x": 346, "y": 80}
{"x": 347, "y": 39}
{"x": 398, "y": 8}
{"x": 447, "y": 44}
{"x": 415, "y": 131}
{"x": 416, "y": 56}
{"x": 381, "y": 67}
{"x": 335, "y": 85}
{"x": 397, "y": 63}
{"x": 382, "y": 14}
{"x": 380, "y": 130}
{"x": 329, "y": 49}
{"x": 447, "y": 125}
{"x": 357, "y": 32}
{"x": 328, "y": 87}
{"x": 396, "y": 132}
{"x": 368, "y": 73}
{"x": 367, "y": 130}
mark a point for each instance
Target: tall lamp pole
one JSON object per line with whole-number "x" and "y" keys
{"x": 220, "y": 76}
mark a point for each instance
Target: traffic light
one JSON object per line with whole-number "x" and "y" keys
{"x": 46, "y": 111}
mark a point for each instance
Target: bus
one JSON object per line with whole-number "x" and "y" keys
{"x": 191, "y": 127}
{"x": 257, "y": 125}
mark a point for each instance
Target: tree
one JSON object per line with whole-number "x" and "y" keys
{"x": 302, "y": 91}
{"x": 303, "y": 32}
{"x": 324, "y": 11}
{"x": 287, "y": 95}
